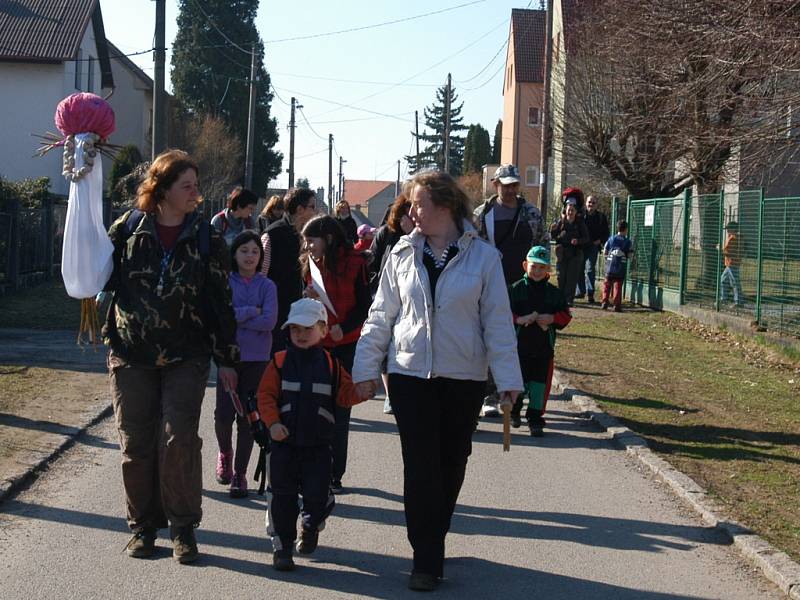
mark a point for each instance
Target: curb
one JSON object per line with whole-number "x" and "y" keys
{"x": 32, "y": 467}
{"x": 775, "y": 565}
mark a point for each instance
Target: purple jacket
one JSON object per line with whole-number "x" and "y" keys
{"x": 254, "y": 330}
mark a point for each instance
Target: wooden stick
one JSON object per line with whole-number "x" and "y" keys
{"x": 506, "y": 427}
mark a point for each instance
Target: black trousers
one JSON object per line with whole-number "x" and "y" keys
{"x": 341, "y": 437}
{"x": 297, "y": 470}
{"x": 435, "y": 418}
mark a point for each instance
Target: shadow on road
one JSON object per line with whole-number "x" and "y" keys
{"x": 10, "y": 420}
{"x": 375, "y": 575}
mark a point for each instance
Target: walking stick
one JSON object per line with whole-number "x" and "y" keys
{"x": 506, "y": 426}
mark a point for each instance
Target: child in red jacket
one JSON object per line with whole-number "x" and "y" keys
{"x": 296, "y": 399}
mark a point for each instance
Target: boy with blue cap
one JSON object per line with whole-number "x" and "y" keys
{"x": 539, "y": 309}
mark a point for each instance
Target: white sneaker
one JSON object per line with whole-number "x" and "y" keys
{"x": 490, "y": 410}
{"x": 387, "y": 407}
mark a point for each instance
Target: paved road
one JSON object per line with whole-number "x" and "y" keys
{"x": 567, "y": 516}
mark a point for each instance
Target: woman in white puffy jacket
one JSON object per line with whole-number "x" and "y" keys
{"x": 441, "y": 316}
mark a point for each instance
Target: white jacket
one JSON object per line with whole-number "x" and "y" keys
{"x": 469, "y": 330}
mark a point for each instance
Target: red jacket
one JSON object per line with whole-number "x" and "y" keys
{"x": 345, "y": 288}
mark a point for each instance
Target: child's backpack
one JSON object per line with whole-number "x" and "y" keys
{"x": 617, "y": 258}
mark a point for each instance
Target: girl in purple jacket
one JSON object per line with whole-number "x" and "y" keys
{"x": 255, "y": 301}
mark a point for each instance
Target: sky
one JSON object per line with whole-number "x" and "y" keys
{"x": 392, "y": 69}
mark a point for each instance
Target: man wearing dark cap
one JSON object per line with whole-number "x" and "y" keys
{"x": 513, "y": 226}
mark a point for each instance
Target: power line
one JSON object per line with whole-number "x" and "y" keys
{"x": 360, "y": 81}
{"x": 477, "y": 87}
{"x": 342, "y": 105}
{"x": 325, "y": 149}
{"x": 373, "y": 26}
{"x": 302, "y": 114}
{"x": 487, "y": 64}
{"x": 214, "y": 25}
{"x": 464, "y": 49}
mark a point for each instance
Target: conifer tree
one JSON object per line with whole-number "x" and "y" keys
{"x": 432, "y": 156}
{"x": 477, "y": 149}
{"x": 211, "y": 76}
{"x": 497, "y": 144}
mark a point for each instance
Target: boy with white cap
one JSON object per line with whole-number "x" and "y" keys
{"x": 296, "y": 399}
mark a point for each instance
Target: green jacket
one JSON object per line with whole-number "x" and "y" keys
{"x": 191, "y": 317}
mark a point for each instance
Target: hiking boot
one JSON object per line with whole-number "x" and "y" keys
{"x": 224, "y": 467}
{"x": 423, "y": 582}
{"x": 184, "y": 544}
{"x": 282, "y": 560}
{"x": 308, "y": 541}
{"x": 537, "y": 431}
{"x": 142, "y": 544}
{"x": 336, "y": 487}
{"x": 516, "y": 421}
{"x": 239, "y": 486}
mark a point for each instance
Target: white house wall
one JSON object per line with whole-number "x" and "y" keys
{"x": 29, "y": 95}
{"x": 132, "y": 101}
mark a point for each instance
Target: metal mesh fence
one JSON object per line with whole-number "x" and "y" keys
{"x": 734, "y": 252}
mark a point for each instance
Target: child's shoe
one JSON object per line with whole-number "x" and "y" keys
{"x": 282, "y": 560}
{"x": 516, "y": 421}
{"x": 537, "y": 431}
{"x": 336, "y": 486}
{"x": 308, "y": 541}
{"x": 224, "y": 467}
{"x": 239, "y": 486}
{"x": 604, "y": 305}
{"x": 617, "y": 309}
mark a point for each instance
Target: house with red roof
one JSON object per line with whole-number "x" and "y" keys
{"x": 370, "y": 197}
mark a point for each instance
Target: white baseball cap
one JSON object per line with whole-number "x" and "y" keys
{"x": 306, "y": 312}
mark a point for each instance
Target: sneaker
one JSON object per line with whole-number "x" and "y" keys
{"x": 516, "y": 421}
{"x": 336, "y": 487}
{"x": 239, "y": 486}
{"x": 308, "y": 541}
{"x": 537, "y": 431}
{"x": 617, "y": 309}
{"x": 423, "y": 582}
{"x": 224, "y": 467}
{"x": 142, "y": 544}
{"x": 184, "y": 544}
{"x": 282, "y": 560}
{"x": 490, "y": 408}
{"x": 387, "y": 407}
{"x": 604, "y": 305}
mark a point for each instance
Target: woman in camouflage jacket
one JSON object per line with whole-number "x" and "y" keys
{"x": 171, "y": 312}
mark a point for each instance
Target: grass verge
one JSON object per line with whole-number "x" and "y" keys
{"x": 45, "y": 306}
{"x": 721, "y": 408}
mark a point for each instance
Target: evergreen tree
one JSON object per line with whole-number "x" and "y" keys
{"x": 477, "y": 149}
{"x": 498, "y": 142}
{"x": 210, "y": 76}
{"x": 302, "y": 182}
{"x": 125, "y": 161}
{"x": 432, "y": 156}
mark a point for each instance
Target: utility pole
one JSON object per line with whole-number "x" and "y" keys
{"x": 292, "y": 126}
{"x": 416, "y": 132}
{"x": 251, "y": 123}
{"x": 447, "y": 126}
{"x": 159, "y": 128}
{"x": 341, "y": 178}
{"x": 397, "y": 181}
{"x": 547, "y": 128}
{"x": 330, "y": 173}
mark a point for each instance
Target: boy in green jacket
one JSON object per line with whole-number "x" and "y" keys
{"x": 539, "y": 309}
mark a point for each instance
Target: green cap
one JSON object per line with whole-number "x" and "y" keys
{"x": 539, "y": 254}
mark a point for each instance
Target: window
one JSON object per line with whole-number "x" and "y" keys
{"x": 78, "y": 70}
{"x": 533, "y": 116}
{"x": 90, "y": 75}
{"x": 532, "y": 176}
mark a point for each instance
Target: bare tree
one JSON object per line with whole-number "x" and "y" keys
{"x": 661, "y": 94}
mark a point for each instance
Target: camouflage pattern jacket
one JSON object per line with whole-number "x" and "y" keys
{"x": 191, "y": 315}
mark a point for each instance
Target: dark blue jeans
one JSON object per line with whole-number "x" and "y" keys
{"x": 586, "y": 283}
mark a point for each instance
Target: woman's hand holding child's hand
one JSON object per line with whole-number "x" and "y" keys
{"x": 366, "y": 389}
{"x": 278, "y": 432}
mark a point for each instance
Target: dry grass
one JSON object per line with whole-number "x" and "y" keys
{"x": 719, "y": 407}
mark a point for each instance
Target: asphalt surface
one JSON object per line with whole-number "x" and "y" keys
{"x": 565, "y": 516}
